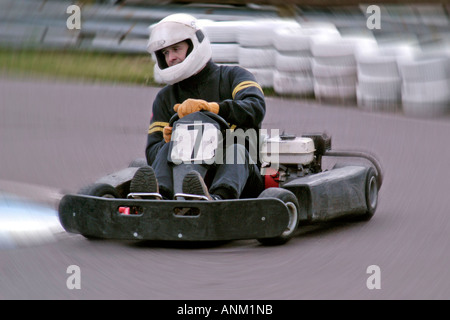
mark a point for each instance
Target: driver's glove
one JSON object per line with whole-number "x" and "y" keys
{"x": 193, "y": 105}
{"x": 167, "y": 133}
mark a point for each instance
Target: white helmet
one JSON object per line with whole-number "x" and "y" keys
{"x": 171, "y": 30}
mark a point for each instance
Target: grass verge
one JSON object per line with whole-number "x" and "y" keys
{"x": 79, "y": 65}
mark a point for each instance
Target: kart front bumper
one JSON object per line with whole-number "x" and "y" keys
{"x": 161, "y": 219}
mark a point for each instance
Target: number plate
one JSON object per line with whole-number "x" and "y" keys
{"x": 194, "y": 142}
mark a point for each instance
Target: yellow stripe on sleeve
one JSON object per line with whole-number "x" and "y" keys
{"x": 150, "y": 131}
{"x": 157, "y": 126}
{"x": 244, "y": 85}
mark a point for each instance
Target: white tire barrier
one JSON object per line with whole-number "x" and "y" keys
{"x": 379, "y": 79}
{"x": 342, "y": 61}
{"x": 256, "y": 42}
{"x": 290, "y": 39}
{"x": 293, "y": 62}
{"x": 333, "y": 46}
{"x": 320, "y": 70}
{"x": 425, "y": 99}
{"x": 339, "y": 93}
{"x": 324, "y": 27}
{"x": 426, "y": 85}
{"x": 225, "y": 52}
{"x": 349, "y": 80}
{"x": 385, "y": 89}
{"x": 379, "y": 68}
{"x": 298, "y": 38}
{"x": 260, "y": 33}
{"x": 423, "y": 68}
{"x": 293, "y": 75}
{"x": 222, "y": 31}
{"x": 334, "y": 66}
{"x": 293, "y": 83}
{"x": 438, "y": 90}
{"x": 375, "y": 103}
{"x": 256, "y": 57}
{"x": 379, "y": 94}
{"x": 382, "y": 61}
{"x": 264, "y": 76}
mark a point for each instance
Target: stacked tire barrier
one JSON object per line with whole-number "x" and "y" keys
{"x": 426, "y": 85}
{"x": 256, "y": 49}
{"x": 293, "y": 70}
{"x": 334, "y": 67}
{"x": 224, "y": 42}
{"x": 379, "y": 79}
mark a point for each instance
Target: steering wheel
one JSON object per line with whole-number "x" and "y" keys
{"x": 221, "y": 121}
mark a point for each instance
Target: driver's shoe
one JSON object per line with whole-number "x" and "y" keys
{"x": 194, "y": 184}
{"x": 144, "y": 182}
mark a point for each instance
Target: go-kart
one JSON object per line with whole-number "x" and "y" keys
{"x": 297, "y": 191}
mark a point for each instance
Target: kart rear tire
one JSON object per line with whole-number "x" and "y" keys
{"x": 102, "y": 190}
{"x": 290, "y": 200}
{"x": 371, "y": 193}
{"x": 371, "y": 188}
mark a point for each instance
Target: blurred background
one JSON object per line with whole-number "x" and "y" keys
{"x": 392, "y": 58}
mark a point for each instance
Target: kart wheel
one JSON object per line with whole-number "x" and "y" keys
{"x": 371, "y": 197}
{"x": 291, "y": 202}
{"x": 102, "y": 190}
{"x": 137, "y": 163}
{"x": 371, "y": 193}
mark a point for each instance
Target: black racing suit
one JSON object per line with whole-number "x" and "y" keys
{"x": 241, "y": 104}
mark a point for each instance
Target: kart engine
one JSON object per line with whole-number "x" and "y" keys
{"x": 288, "y": 156}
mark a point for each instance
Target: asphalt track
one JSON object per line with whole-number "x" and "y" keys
{"x": 56, "y": 137}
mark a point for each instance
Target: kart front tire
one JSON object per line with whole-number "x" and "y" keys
{"x": 102, "y": 190}
{"x": 291, "y": 202}
{"x": 138, "y": 162}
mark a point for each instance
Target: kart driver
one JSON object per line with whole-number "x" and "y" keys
{"x": 194, "y": 83}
